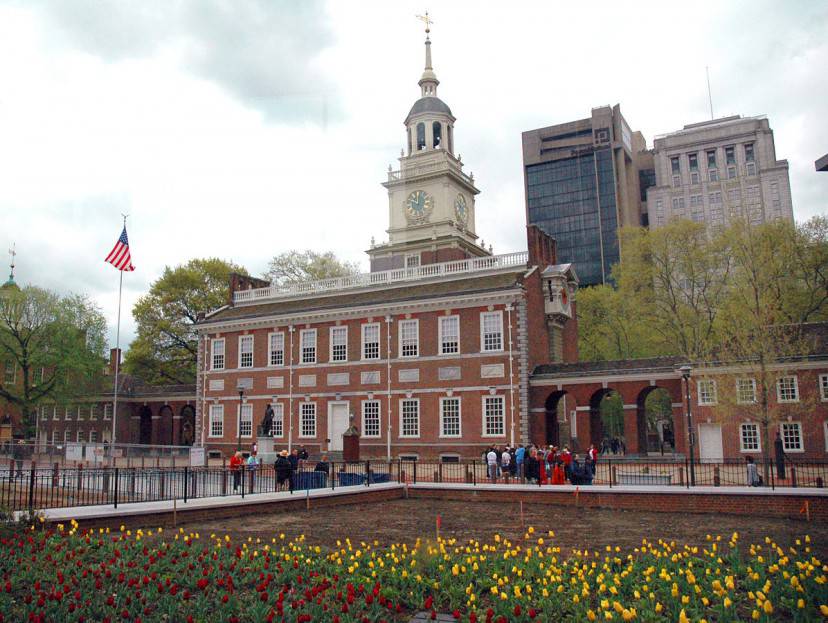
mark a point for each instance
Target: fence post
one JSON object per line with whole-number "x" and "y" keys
{"x": 11, "y": 470}
{"x": 793, "y": 476}
{"x": 242, "y": 478}
{"x": 186, "y": 482}
{"x": 116, "y": 487}
{"x": 31, "y": 489}
{"x": 474, "y": 474}
{"x": 611, "y": 473}
{"x": 367, "y": 473}
{"x": 80, "y": 476}
{"x": 55, "y": 475}
{"x": 415, "y": 471}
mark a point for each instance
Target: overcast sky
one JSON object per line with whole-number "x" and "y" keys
{"x": 243, "y": 129}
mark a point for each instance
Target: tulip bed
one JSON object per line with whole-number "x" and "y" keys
{"x": 66, "y": 574}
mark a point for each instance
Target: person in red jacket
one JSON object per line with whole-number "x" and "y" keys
{"x": 236, "y": 462}
{"x": 558, "y": 476}
{"x": 566, "y": 458}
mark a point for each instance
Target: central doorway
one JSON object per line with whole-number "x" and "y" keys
{"x": 337, "y": 424}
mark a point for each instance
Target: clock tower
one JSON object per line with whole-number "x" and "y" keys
{"x": 431, "y": 200}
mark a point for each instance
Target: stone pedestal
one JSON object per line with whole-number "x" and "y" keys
{"x": 266, "y": 450}
{"x": 350, "y": 445}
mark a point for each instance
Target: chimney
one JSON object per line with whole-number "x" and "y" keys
{"x": 114, "y": 356}
{"x": 243, "y": 282}
{"x": 541, "y": 247}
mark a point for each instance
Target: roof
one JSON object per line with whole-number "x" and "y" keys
{"x": 429, "y": 104}
{"x": 374, "y": 296}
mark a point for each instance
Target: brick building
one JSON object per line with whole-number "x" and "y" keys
{"x": 430, "y": 353}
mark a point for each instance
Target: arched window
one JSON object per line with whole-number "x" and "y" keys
{"x": 450, "y": 140}
{"x": 437, "y": 133}
{"x": 421, "y": 142}
{"x": 410, "y": 141}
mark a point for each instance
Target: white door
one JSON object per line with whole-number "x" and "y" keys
{"x": 337, "y": 424}
{"x": 710, "y": 443}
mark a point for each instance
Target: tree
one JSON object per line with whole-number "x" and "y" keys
{"x": 165, "y": 348}
{"x": 52, "y": 348}
{"x": 297, "y": 266}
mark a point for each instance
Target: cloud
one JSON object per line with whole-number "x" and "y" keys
{"x": 264, "y": 52}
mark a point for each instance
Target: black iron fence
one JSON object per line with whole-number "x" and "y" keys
{"x": 36, "y": 488}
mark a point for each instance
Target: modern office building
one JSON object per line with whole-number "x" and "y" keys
{"x": 584, "y": 180}
{"x": 716, "y": 170}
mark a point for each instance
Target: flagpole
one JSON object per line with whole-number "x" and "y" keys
{"x": 117, "y": 364}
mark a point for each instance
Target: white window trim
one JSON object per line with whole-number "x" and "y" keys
{"x": 715, "y": 393}
{"x": 302, "y": 361}
{"x": 758, "y": 438}
{"x": 419, "y": 419}
{"x": 105, "y": 416}
{"x": 242, "y": 338}
{"x": 416, "y": 323}
{"x": 379, "y": 415}
{"x": 801, "y": 436}
{"x": 483, "y": 414}
{"x": 450, "y": 455}
{"x": 738, "y": 397}
{"x": 408, "y": 456}
{"x": 278, "y": 407}
{"x": 55, "y": 413}
{"x": 219, "y": 413}
{"x": 459, "y": 417}
{"x": 823, "y": 394}
{"x": 483, "y": 348}
{"x": 440, "y": 333}
{"x": 239, "y": 409}
{"x": 270, "y": 350}
{"x": 331, "y": 343}
{"x": 362, "y": 342}
{"x": 315, "y": 420}
{"x": 213, "y": 343}
{"x": 779, "y": 389}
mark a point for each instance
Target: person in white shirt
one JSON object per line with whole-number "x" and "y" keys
{"x": 505, "y": 461}
{"x": 491, "y": 461}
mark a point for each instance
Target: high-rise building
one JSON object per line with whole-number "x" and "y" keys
{"x": 716, "y": 170}
{"x": 583, "y": 181}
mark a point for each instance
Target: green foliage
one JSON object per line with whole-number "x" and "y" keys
{"x": 56, "y": 345}
{"x": 164, "y": 350}
{"x": 298, "y": 266}
{"x": 612, "y": 415}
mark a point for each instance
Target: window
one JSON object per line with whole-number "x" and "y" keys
{"x": 216, "y": 420}
{"x": 37, "y": 376}
{"x": 730, "y": 155}
{"x": 823, "y": 387}
{"x": 67, "y": 436}
{"x": 713, "y": 175}
{"x": 494, "y": 416}
{"x": 449, "y": 335}
{"x": 67, "y": 413}
{"x": 707, "y": 392}
{"x": 693, "y": 161}
{"x": 421, "y": 142}
{"x": 711, "y": 158}
{"x": 436, "y": 134}
{"x": 715, "y": 198}
{"x": 246, "y": 351}
{"x": 787, "y": 389}
{"x": 409, "y": 338}
{"x": 276, "y": 349}
{"x": 745, "y": 391}
{"x": 449, "y": 417}
{"x": 10, "y": 372}
{"x": 80, "y": 410}
{"x": 791, "y": 436}
{"x": 339, "y": 343}
{"x": 218, "y": 354}
{"x": 449, "y": 458}
{"x": 277, "y": 428}
{"x": 750, "y": 159}
{"x": 80, "y": 436}
{"x": 108, "y": 411}
{"x": 678, "y": 205}
{"x": 94, "y": 411}
{"x": 93, "y": 436}
{"x": 410, "y": 417}
{"x": 749, "y": 437}
{"x": 675, "y": 169}
{"x": 307, "y": 419}
{"x": 491, "y": 331}
{"x": 412, "y": 260}
{"x": 370, "y": 340}
{"x": 54, "y": 436}
{"x": 55, "y": 413}
{"x": 246, "y": 421}
{"x": 370, "y": 418}
{"x": 307, "y": 340}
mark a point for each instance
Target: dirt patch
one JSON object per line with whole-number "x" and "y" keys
{"x": 575, "y": 528}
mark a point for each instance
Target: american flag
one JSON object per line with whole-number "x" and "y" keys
{"x": 119, "y": 256}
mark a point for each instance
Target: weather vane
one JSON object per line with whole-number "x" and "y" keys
{"x": 12, "y": 252}
{"x": 426, "y": 20}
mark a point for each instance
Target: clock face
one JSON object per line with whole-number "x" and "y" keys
{"x": 461, "y": 209}
{"x": 419, "y": 204}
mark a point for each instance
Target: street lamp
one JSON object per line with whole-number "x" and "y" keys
{"x": 685, "y": 374}
{"x": 238, "y": 425}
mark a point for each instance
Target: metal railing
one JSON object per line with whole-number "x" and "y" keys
{"x": 362, "y": 280}
{"x": 94, "y": 453}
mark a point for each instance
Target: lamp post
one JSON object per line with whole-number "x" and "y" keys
{"x": 238, "y": 424}
{"x": 685, "y": 374}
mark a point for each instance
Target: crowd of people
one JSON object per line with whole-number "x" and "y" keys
{"x": 541, "y": 465}
{"x": 287, "y": 465}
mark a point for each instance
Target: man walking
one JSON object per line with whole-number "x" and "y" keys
{"x": 491, "y": 462}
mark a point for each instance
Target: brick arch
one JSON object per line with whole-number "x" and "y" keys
{"x": 641, "y": 420}
{"x": 186, "y": 426}
{"x": 551, "y": 425}
{"x": 596, "y": 424}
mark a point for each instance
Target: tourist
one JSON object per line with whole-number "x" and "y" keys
{"x": 566, "y": 458}
{"x": 558, "y": 476}
{"x": 506, "y": 462}
{"x": 283, "y": 470}
{"x": 520, "y": 454}
{"x": 592, "y": 454}
{"x": 252, "y": 465}
{"x": 532, "y": 467}
{"x": 753, "y": 477}
{"x": 323, "y": 466}
{"x": 491, "y": 462}
{"x": 236, "y": 463}
{"x": 303, "y": 454}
